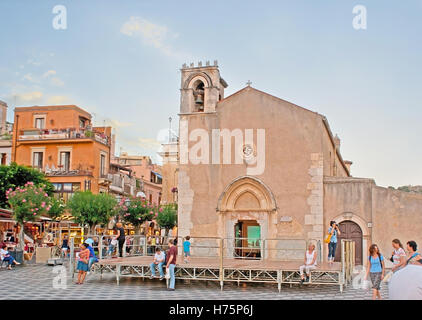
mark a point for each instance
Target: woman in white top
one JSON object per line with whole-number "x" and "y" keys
{"x": 310, "y": 263}
{"x": 398, "y": 256}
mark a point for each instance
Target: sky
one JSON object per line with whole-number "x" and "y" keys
{"x": 121, "y": 60}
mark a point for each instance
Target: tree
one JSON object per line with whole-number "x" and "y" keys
{"x": 167, "y": 217}
{"x": 136, "y": 211}
{"x": 57, "y": 207}
{"x": 15, "y": 175}
{"x": 28, "y": 203}
{"x": 92, "y": 209}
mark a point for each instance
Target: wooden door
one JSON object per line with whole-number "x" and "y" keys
{"x": 350, "y": 231}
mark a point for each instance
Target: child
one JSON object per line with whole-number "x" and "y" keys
{"x": 83, "y": 263}
{"x": 186, "y": 249}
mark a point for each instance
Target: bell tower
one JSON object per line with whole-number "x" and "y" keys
{"x": 201, "y": 88}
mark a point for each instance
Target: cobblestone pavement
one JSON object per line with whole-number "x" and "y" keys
{"x": 36, "y": 282}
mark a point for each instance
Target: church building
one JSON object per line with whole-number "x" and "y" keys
{"x": 251, "y": 165}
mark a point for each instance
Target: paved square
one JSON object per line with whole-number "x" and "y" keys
{"x": 36, "y": 282}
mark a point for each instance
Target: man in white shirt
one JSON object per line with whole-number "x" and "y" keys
{"x": 159, "y": 260}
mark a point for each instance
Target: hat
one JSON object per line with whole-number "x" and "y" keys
{"x": 89, "y": 241}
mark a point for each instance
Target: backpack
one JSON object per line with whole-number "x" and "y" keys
{"x": 413, "y": 255}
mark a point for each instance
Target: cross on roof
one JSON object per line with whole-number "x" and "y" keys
{"x": 249, "y": 83}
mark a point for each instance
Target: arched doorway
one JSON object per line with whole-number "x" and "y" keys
{"x": 245, "y": 216}
{"x": 351, "y": 231}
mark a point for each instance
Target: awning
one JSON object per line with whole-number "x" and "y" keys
{"x": 157, "y": 174}
{"x": 141, "y": 194}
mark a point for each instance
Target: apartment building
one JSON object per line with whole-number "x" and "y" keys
{"x": 61, "y": 142}
{"x": 148, "y": 173}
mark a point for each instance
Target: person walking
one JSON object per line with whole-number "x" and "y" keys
{"x": 171, "y": 258}
{"x": 398, "y": 257}
{"x": 159, "y": 260}
{"x": 376, "y": 270}
{"x": 83, "y": 263}
{"x": 120, "y": 237}
{"x": 310, "y": 263}
{"x": 413, "y": 257}
{"x": 334, "y": 231}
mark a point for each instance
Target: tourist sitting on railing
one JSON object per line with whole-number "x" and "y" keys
{"x": 5, "y": 256}
{"x": 159, "y": 260}
{"x": 310, "y": 263}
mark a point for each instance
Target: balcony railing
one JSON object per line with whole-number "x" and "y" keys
{"x": 69, "y": 173}
{"x": 53, "y": 171}
{"x": 122, "y": 184}
{"x": 61, "y": 134}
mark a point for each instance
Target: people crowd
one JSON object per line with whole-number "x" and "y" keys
{"x": 375, "y": 268}
{"x": 165, "y": 261}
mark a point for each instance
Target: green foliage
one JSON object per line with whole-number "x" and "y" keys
{"x": 6, "y": 136}
{"x": 28, "y": 202}
{"x": 136, "y": 211}
{"x": 92, "y": 209}
{"x": 89, "y": 134}
{"x": 57, "y": 207}
{"x": 14, "y": 176}
{"x": 167, "y": 216}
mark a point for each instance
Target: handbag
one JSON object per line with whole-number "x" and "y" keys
{"x": 167, "y": 276}
{"x": 328, "y": 238}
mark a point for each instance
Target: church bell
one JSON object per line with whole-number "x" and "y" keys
{"x": 199, "y": 100}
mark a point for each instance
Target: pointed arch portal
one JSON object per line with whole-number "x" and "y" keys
{"x": 245, "y": 208}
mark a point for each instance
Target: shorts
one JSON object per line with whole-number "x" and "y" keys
{"x": 187, "y": 253}
{"x": 376, "y": 280}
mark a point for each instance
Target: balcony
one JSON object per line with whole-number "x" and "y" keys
{"x": 62, "y": 134}
{"x": 122, "y": 184}
{"x": 61, "y": 172}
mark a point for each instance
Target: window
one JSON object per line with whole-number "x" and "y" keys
{"x": 37, "y": 160}
{"x": 65, "y": 160}
{"x": 65, "y": 190}
{"x": 40, "y": 123}
{"x": 102, "y": 165}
